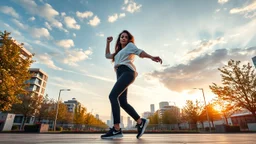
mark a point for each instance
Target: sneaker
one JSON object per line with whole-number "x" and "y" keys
{"x": 112, "y": 134}
{"x": 141, "y": 127}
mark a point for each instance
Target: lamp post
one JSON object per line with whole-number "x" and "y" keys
{"x": 57, "y": 109}
{"x": 206, "y": 109}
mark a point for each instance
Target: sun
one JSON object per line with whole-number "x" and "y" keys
{"x": 217, "y": 108}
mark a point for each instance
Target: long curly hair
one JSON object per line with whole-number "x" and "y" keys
{"x": 118, "y": 46}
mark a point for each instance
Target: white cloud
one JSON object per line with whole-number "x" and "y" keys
{"x": 71, "y": 23}
{"x": 74, "y": 35}
{"x": 9, "y": 11}
{"x": 40, "y": 32}
{"x": 85, "y": 14}
{"x": 63, "y": 14}
{"x": 222, "y": 1}
{"x": 14, "y": 31}
{"x": 19, "y": 24}
{"x": 47, "y": 25}
{"x": 45, "y": 11}
{"x": 74, "y": 56}
{"x": 95, "y": 21}
{"x": 121, "y": 15}
{"x": 131, "y": 6}
{"x": 247, "y": 10}
{"x": 31, "y": 18}
{"x": 67, "y": 43}
{"x": 100, "y": 34}
{"x": 112, "y": 18}
{"x": 47, "y": 60}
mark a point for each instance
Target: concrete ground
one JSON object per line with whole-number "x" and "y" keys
{"x": 7, "y": 138}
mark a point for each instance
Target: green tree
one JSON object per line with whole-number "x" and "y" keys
{"x": 29, "y": 106}
{"x": 239, "y": 86}
{"x": 13, "y": 72}
{"x": 192, "y": 112}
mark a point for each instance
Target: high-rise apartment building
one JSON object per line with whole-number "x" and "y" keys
{"x": 152, "y": 108}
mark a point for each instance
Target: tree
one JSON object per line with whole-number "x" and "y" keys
{"x": 44, "y": 110}
{"x": 212, "y": 112}
{"x": 79, "y": 115}
{"x": 29, "y": 106}
{"x": 239, "y": 86}
{"x": 169, "y": 117}
{"x": 192, "y": 112}
{"x": 13, "y": 72}
{"x": 154, "y": 119}
{"x": 226, "y": 109}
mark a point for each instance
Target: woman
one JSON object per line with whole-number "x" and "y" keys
{"x": 123, "y": 58}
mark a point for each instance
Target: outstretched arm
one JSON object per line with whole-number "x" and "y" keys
{"x": 108, "y": 55}
{"x": 143, "y": 54}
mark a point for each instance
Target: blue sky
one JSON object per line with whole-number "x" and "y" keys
{"x": 193, "y": 38}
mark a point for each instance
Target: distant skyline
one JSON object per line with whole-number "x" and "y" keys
{"x": 193, "y": 38}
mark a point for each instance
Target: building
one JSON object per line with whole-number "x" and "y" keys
{"x": 163, "y": 104}
{"x": 147, "y": 114}
{"x": 152, "y": 108}
{"x": 108, "y": 123}
{"x": 129, "y": 123}
{"x": 73, "y": 105}
{"x": 38, "y": 81}
{"x": 97, "y": 116}
{"x": 254, "y": 61}
{"x": 174, "y": 109}
{"x": 6, "y": 121}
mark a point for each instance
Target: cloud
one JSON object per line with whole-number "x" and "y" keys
{"x": 47, "y": 25}
{"x": 74, "y": 35}
{"x": 67, "y": 43}
{"x": 9, "y": 11}
{"x": 71, "y": 23}
{"x": 248, "y": 10}
{"x": 112, "y": 18}
{"x": 131, "y": 6}
{"x": 121, "y": 15}
{"x": 31, "y": 18}
{"x": 201, "y": 71}
{"x": 19, "y": 24}
{"x": 85, "y": 14}
{"x": 204, "y": 46}
{"x": 222, "y": 1}
{"x": 74, "y": 56}
{"x": 11, "y": 29}
{"x": 95, "y": 21}
{"x": 100, "y": 34}
{"x": 40, "y": 32}
{"x": 44, "y": 11}
{"x": 47, "y": 60}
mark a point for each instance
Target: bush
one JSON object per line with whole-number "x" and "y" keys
{"x": 59, "y": 128}
{"x": 32, "y": 128}
{"x": 15, "y": 127}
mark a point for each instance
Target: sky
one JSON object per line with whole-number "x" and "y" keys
{"x": 193, "y": 38}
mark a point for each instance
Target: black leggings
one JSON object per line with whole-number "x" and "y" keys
{"x": 118, "y": 95}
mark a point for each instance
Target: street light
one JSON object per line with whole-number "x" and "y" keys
{"x": 57, "y": 109}
{"x": 206, "y": 109}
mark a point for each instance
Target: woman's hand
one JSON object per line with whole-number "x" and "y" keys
{"x": 109, "y": 39}
{"x": 156, "y": 59}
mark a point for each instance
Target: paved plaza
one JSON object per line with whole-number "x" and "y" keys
{"x": 6, "y": 138}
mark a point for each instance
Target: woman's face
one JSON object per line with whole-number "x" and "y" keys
{"x": 124, "y": 38}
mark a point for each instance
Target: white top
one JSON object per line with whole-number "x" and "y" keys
{"x": 126, "y": 56}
